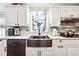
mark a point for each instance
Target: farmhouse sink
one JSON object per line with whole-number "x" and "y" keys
{"x": 39, "y": 41}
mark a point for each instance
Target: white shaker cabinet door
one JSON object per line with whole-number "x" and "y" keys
{"x": 74, "y": 11}
{"x": 55, "y": 16}
{"x": 64, "y": 12}
{"x": 59, "y": 51}
{"x": 72, "y": 51}
{"x": 22, "y": 16}
{"x": 31, "y": 52}
{"x": 11, "y": 16}
{"x": 59, "y": 43}
{"x": 3, "y": 51}
{"x": 48, "y": 52}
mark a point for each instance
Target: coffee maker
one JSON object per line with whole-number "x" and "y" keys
{"x": 14, "y": 31}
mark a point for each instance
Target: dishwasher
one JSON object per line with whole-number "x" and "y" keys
{"x": 16, "y": 47}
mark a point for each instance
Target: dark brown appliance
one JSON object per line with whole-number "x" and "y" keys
{"x": 16, "y": 47}
{"x": 15, "y": 31}
{"x": 10, "y": 31}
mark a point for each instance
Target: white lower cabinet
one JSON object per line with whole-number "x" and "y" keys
{"x": 59, "y": 47}
{"x": 72, "y": 47}
{"x": 3, "y": 51}
{"x": 31, "y": 53}
{"x": 39, "y": 52}
{"x": 72, "y": 51}
{"x": 47, "y": 52}
{"x": 59, "y": 51}
{"x": 3, "y": 48}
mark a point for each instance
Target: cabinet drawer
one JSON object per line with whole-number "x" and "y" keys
{"x": 59, "y": 43}
{"x": 72, "y": 43}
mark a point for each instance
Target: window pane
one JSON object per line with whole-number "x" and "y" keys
{"x": 39, "y": 17}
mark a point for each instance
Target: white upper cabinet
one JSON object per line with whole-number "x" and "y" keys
{"x": 16, "y": 16}
{"x": 74, "y": 11}
{"x": 69, "y": 11}
{"x": 55, "y": 16}
{"x": 22, "y": 16}
{"x": 11, "y": 16}
{"x": 64, "y": 12}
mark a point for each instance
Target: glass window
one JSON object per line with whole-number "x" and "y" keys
{"x": 39, "y": 17}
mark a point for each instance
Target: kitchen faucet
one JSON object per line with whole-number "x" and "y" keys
{"x": 38, "y": 24}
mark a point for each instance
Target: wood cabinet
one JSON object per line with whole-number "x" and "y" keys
{"x": 16, "y": 16}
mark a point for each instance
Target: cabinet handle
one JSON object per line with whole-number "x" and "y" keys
{"x": 5, "y": 49}
{"x": 60, "y": 46}
{"x": 39, "y": 53}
